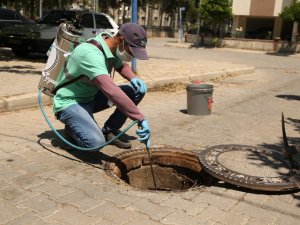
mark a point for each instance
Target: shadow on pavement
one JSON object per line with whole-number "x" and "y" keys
{"x": 222, "y": 184}
{"x": 282, "y": 54}
{"x": 92, "y": 158}
{"x": 20, "y": 70}
{"x": 184, "y": 111}
{"x": 279, "y": 148}
{"x": 289, "y": 97}
{"x": 7, "y": 55}
{"x": 295, "y": 123}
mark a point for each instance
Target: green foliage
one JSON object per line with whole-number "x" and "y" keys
{"x": 292, "y": 12}
{"x": 216, "y": 10}
{"x": 214, "y": 41}
{"x": 31, "y": 7}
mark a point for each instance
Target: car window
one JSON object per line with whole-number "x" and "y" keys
{"x": 102, "y": 22}
{"x": 20, "y": 17}
{"x": 7, "y": 15}
{"x": 87, "y": 21}
{"x": 54, "y": 16}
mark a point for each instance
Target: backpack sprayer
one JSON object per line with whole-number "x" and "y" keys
{"x": 67, "y": 38}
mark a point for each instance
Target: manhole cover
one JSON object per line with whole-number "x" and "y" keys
{"x": 174, "y": 169}
{"x": 249, "y": 166}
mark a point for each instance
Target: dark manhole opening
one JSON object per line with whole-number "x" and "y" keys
{"x": 174, "y": 169}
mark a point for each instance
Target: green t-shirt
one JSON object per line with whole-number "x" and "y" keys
{"x": 86, "y": 59}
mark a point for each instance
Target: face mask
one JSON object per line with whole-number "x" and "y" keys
{"x": 124, "y": 56}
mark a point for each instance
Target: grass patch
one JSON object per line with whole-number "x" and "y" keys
{"x": 173, "y": 87}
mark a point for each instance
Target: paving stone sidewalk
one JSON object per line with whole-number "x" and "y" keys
{"x": 41, "y": 183}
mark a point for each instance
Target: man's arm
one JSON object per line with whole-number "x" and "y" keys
{"x": 118, "y": 97}
{"x": 126, "y": 72}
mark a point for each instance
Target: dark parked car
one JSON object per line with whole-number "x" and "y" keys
{"x": 38, "y": 37}
{"x": 9, "y": 17}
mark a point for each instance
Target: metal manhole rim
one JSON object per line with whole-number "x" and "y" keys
{"x": 253, "y": 182}
{"x": 108, "y": 170}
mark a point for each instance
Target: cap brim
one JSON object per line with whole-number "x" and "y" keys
{"x": 139, "y": 53}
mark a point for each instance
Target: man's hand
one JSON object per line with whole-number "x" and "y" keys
{"x": 144, "y": 133}
{"x": 139, "y": 85}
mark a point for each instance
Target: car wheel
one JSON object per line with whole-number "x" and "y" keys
{"x": 20, "y": 52}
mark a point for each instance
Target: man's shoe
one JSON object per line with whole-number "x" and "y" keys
{"x": 119, "y": 142}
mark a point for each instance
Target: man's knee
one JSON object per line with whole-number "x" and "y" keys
{"x": 93, "y": 141}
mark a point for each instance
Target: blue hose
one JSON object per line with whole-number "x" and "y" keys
{"x": 69, "y": 143}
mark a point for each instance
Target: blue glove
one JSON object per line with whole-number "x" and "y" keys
{"x": 144, "y": 133}
{"x": 139, "y": 85}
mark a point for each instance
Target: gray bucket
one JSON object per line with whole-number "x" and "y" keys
{"x": 199, "y": 99}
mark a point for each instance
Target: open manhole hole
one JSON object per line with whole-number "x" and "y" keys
{"x": 174, "y": 169}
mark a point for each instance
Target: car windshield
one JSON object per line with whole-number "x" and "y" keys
{"x": 54, "y": 17}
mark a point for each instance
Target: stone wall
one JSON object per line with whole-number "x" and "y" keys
{"x": 261, "y": 45}
{"x": 249, "y": 44}
{"x": 161, "y": 32}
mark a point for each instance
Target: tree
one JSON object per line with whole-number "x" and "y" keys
{"x": 291, "y": 13}
{"x": 31, "y": 7}
{"x": 216, "y": 12}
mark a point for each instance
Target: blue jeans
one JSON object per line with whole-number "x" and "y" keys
{"x": 81, "y": 125}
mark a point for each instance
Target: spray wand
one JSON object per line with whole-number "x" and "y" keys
{"x": 151, "y": 165}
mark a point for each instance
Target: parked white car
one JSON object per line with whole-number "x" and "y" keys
{"x": 38, "y": 37}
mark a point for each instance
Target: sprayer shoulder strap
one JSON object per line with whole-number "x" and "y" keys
{"x": 93, "y": 42}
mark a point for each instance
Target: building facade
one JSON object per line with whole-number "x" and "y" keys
{"x": 259, "y": 19}
{"x": 151, "y": 16}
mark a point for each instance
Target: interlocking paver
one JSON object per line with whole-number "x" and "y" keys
{"x": 223, "y": 217}
{"x": 53, "y": 189}
{"x": 235, "y": 194}
{"x": 59, "y": 176}
{"x": 4, "y": 184}
{"x": 189, "y": 207}
{"x": 286, "y": 220}
{"x": 178, "y": 217}
{"x": 283, "y": 207}
{"x": 28, "y": 219}
{"x": 151, "y": 196}
{"x": 16, "y": 194}
{"x": 256, "y": 199}
{"x": 142, "y": 219}
{"x": 71, "y": 216}
{"x": 8, "y": 173}
{"x": 34, "y": 168}
{"x": 10, "y": 212}
{"x": 119, "y": 199}
{"x": 216, "y": 200}
{"x": 40, "y": 204}
{"x": 27, "y": 181}
{"x": 108, "y": 211}
{"x": 260, "y": 214}
{"x": 91, "y": 174}
{"x": 4, "y": 155}
{"x": 81, "y": 201}
{"x": 154, "y": 211}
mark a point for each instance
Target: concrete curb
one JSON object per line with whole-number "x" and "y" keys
{"x": 208, "y": 76}
{"x": 22, "y": 101}
{"x": 178, "y": 45}
{"x": 30, "y": 100}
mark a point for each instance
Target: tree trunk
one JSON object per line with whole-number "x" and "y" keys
{"x": 31, "y": 10}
